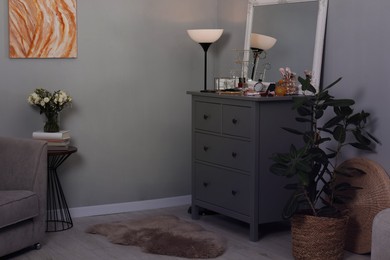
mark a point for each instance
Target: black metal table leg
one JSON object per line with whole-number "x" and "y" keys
{"x": 58, "y": 215}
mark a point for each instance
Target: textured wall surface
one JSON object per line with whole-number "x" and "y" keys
{"x": 355, "y": 49}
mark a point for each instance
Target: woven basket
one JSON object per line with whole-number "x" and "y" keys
{"x": 317, "y": 238}
{"x": 366, "y": 203}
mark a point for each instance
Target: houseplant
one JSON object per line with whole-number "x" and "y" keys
{"x": 50, "y": 104}
{"x": 314, "y": 168}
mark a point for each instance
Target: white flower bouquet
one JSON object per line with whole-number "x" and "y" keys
{"x": 50, "y": 104}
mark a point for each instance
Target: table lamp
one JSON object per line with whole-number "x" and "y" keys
{"x": 205, "y": 37}
{"x": 259, "y": 44}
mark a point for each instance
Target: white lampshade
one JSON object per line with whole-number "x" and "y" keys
{"x": 205, "y": 35}
{"x": 262, "y": 42}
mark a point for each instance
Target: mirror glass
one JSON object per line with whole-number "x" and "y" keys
{"x": 298, "y": 26}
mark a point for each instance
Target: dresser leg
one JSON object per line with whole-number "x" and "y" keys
{"x": 195, "y": 212}
{"x": 254, "y": 232}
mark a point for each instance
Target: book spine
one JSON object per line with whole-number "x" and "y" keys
{"x": 60, "y": 140}
{"x": 49, "y": 136}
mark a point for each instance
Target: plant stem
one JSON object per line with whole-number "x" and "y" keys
{"x": 310, "y": 203}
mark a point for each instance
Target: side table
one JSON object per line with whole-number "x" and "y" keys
{"x": 58, "y": 217}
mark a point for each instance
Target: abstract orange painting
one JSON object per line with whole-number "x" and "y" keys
{"x": 42, "y": 29}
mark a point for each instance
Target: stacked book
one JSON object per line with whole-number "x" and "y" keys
{"x": 55, "y": 141}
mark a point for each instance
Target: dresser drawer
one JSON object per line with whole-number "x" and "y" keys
{"x": 227, "y": 189}
{"x": 207, "y": 116}
{"x": 223, "y": 151}
{"x": 236, "y": 120}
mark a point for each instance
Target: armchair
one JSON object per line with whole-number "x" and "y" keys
{"x": 380, "y": 248}
{"x": 23, "y": 185}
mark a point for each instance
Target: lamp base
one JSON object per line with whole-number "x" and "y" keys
{"x": 208, "y": 91}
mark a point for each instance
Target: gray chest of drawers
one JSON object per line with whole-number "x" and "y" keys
{"x": 233, "y": 138}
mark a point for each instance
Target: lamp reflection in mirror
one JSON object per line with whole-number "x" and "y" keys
{"x": 205, "y": 37}
{"x": 259, "y": 43}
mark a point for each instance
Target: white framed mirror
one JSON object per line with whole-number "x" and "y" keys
{"x": 283, "y": 20}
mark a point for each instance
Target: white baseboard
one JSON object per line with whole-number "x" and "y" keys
{"x": 129, "y": 206}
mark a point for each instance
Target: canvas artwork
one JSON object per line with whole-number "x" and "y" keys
{"x": 42, "y": 29}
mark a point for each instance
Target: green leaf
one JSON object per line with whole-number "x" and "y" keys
{"x": 303, "y": 81}
{"x": 323, "y": 95}
{"x": 332, "y": 155}
{"x": 292, "y": 205}
{"x": 307, "y": 137}
{"x": 319, "y": 114}
{"x": 346, "y": 110}
{"x": 340, "y": 102}
{"x": 299, "y": 101}
{"x": 364, "y": 116}
{"x": 303, "y": 178}
{"x": 337, "y": 110}
{"x": 279, "y": 169}
{"x": 293, "y": 131}
{"x": 333, "y": 121}
{"x": 303, "y": 111}
{"x": 332, "y": 84}
{"x": 342, "y": 111}
{"x": 341, "y": 200}
{"x": 361, "y": 146}
{"x": 283, "y": 158}
{"x": 344, "y": 186}
{"x": 320, "y": 106}
{"x": 361, "y": 138}
{"x": 349, "y": 171}
{"x": 293, "y": 150}
{"x": 325, "y": 130}
{"x": 354, "y": 119}
{"x": 373, "y": 138}
{"x": 306, "y": 85}
{"x": 304, "y": 166}
{"x": 311, "y": 89}
{"x": 339, "y": 134}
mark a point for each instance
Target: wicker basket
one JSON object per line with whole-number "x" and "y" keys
{"x": 366, "y": 203}
{"x": 316, "y": 238}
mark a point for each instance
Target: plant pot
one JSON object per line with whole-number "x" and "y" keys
{"x": 317, "y": 238}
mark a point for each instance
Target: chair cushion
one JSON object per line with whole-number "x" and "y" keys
{"x": 16, "y": 206}
{"x": 381, "y": 236}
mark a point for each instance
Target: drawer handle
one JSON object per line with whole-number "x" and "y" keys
{"x": 234, "y": 154}
{"x": 205, "y": 117}
{"x": 234, "y": 121}
{"x": 205, "y": 148}
{"x": 234, "y": 193}
{"x": 205, "y": 184}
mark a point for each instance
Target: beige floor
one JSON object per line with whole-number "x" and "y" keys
{"x": 75, "y": 244}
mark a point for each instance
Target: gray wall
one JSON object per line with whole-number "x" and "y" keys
{"x": 232, "y": 18}
{"x": 357, "y": 49}
{"x": 131, "y": 115}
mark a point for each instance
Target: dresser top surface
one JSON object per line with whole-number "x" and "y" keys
{"x": 240, "y": 97}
